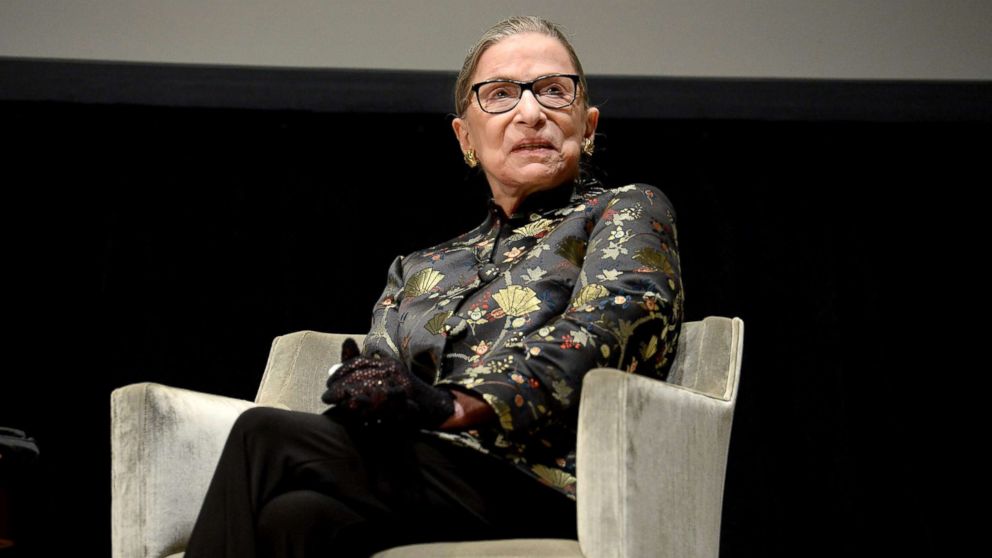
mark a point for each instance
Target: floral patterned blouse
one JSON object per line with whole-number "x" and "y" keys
{"x": 518, "y": 309}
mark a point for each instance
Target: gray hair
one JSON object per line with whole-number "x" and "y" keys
{"x": 507, "y": 28}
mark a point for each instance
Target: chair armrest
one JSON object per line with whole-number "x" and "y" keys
{"x": 165, "y": 443}
{"x": 651, "y": 460}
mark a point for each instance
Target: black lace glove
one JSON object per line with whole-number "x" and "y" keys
{"x": 381, "y": 391}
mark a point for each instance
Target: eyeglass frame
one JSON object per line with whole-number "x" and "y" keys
{"x": 527, "y": 86}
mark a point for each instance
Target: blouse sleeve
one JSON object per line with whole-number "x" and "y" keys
{"x": 382, "y": 336}
{"x": 625, "y": 312}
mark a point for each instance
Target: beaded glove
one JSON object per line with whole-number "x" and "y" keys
{"x": 381, "y": 391}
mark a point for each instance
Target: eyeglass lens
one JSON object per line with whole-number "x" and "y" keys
{"x": 552, "y": 92}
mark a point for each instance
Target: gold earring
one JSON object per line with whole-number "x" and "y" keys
{"x": 588, "y": 147}
{"x": 470, "y": 159}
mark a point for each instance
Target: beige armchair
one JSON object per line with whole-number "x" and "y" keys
{"x": 652, "y": 455}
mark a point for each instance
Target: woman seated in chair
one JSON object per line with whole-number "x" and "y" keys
{"x": 457, "y": 419}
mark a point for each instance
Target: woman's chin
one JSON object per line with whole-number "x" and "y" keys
{"x": 540, "y": 174}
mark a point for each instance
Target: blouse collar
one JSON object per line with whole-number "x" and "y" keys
{"x": 543, "y": 201}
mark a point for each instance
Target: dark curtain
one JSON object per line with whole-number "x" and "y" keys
{"x": 172, "y": 244}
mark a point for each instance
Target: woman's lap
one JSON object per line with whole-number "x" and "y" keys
{"x": 400, "y": 488}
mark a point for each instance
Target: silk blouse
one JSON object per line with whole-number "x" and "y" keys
{"x": 518, "y": 309}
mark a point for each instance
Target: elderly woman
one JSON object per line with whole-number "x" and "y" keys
{"x": 457, "y": 419}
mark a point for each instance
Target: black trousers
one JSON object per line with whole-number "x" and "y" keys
{"x": 299, "y": 484}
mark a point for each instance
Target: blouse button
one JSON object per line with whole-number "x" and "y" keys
{"x": 488, "y": 272}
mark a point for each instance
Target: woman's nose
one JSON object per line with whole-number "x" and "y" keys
{"x": 528, "y": 109}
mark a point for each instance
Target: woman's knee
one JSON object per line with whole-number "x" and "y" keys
{"x": 281, "y": 430}
{"x": 257, "y": 419}
{"x": 273, "y": 419}
{"x": 250, "y": 418}
{"x": 267, "y": 427}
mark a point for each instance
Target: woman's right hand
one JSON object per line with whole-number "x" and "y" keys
{"x": 377, "y": 391}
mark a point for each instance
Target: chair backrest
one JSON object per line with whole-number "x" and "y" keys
{"x": 297, "y": 367}
{"x": 296, "y": 373}
{"x": 703, "y": 359}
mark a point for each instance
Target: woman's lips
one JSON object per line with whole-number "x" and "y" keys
{"x": 533, "y": 144}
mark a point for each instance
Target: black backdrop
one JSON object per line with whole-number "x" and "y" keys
{"x": 155, "y": 235}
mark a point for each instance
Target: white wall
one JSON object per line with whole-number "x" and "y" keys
{"x": 883, "y": 39}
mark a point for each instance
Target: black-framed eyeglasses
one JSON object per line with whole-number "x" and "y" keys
{"x": 501, "y": 95}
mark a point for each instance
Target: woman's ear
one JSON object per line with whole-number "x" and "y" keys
{"x": 460, "y": 126}
{"x": 592, "y": 119}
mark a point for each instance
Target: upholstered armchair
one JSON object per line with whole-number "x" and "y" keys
{"x": 652, "y": 455}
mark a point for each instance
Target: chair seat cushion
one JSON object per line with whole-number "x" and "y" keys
{"x": 509, "y": 548}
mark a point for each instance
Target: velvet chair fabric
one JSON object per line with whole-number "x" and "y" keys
{"x": 652, "y": 455}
